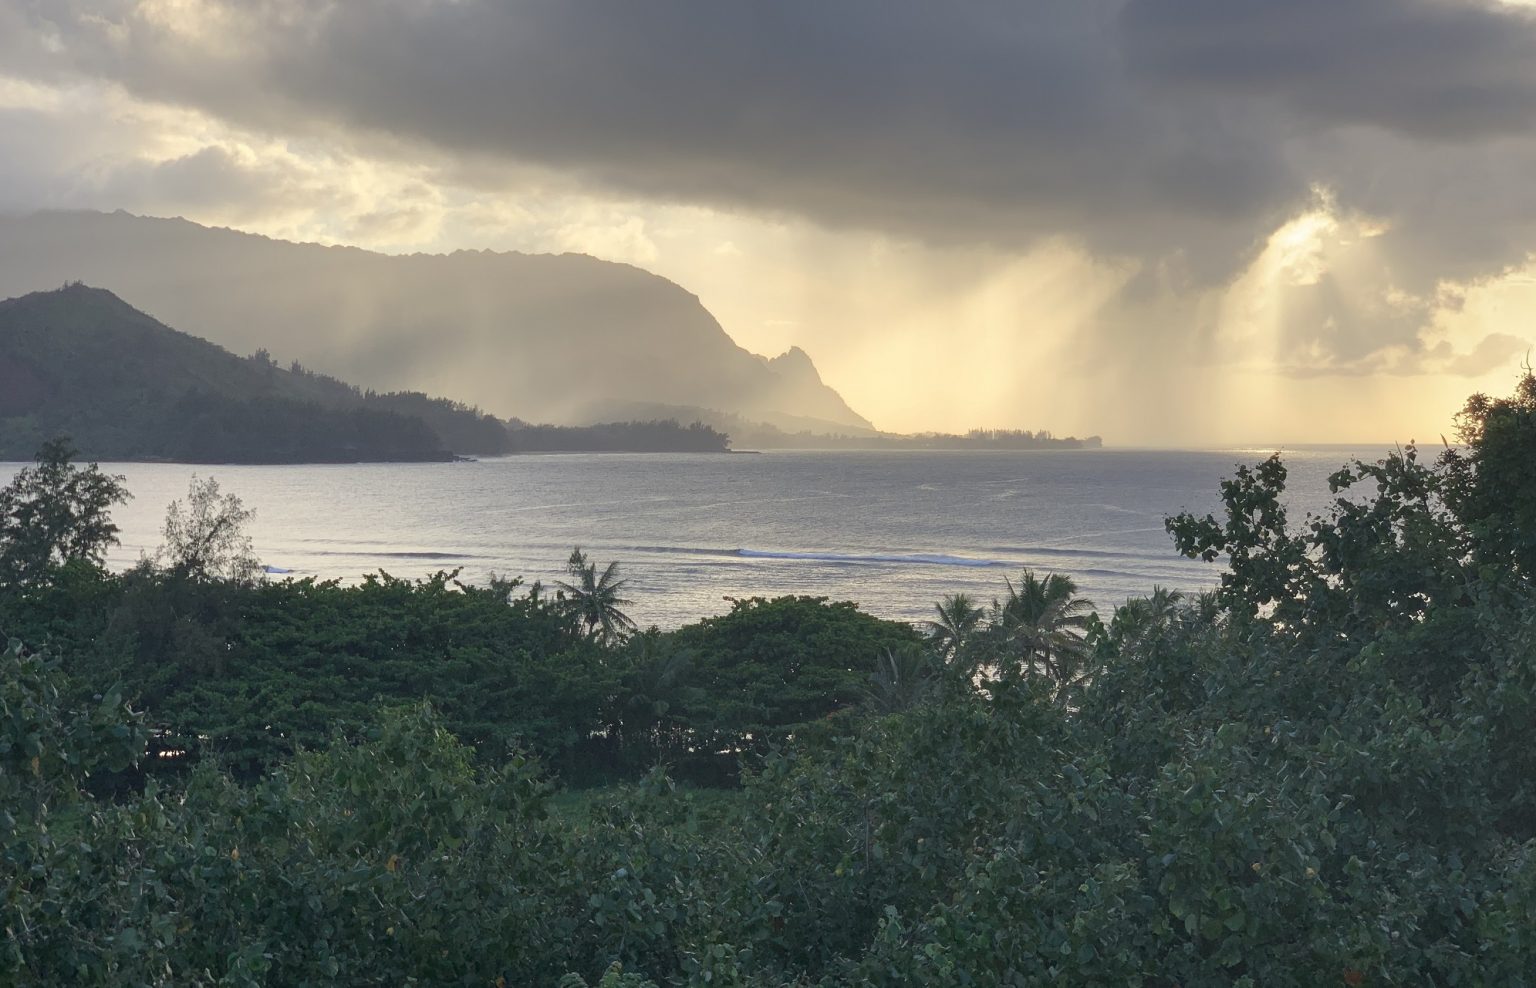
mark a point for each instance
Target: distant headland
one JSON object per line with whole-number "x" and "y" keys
{"x": 81, "y": 362}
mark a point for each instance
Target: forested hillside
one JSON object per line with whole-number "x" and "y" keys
{"x": 1318, "y": 773}
{"x": 81, "y": 362}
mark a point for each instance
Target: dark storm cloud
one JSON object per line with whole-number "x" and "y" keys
{"x": 1001, "y": 122}
{"x": 1176, "y": 132}
{"x": 1440, "y": 69}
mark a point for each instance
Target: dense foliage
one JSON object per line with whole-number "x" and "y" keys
{"x": 1317, "y": 774}
{"x": 214, "y": 428}
{"x": 54, "y": 514}
{"x": 81, "y": 362}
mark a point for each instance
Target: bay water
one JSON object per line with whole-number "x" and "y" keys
{"x": 894, "y": 531}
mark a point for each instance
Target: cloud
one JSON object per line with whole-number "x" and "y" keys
{"x": 997, "y": 122}
{"x": 1443, "y": 70}
{"x": 1169, "y": 140}
{"x": 92, "y": 146}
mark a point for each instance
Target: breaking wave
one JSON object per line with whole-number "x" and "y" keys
{"x": 915, "y": 558}
{"x": 906, "y": 558}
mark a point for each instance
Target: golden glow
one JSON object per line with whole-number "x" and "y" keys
{"x": 916, "y": 337}
{"x": 1295, "y": 250}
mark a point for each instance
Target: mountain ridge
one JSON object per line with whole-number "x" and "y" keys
{"x": 535, "y": 336}
{"x": 122, "y": 385}
{"x": 83, "y": 363}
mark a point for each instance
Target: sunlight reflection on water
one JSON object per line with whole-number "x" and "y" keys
{"x": 894, "y": 531}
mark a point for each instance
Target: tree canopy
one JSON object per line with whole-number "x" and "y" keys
{"x": 54, "y": 513}
{"x": 1317, "y": 774}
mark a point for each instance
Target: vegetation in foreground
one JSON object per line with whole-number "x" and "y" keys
{"x": 1318, "y": 774}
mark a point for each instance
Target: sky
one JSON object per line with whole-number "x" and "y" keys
{"x": 1164, "y": 221}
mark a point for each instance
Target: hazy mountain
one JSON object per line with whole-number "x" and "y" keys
{"x": 80, "y": 361}
{"x": 537, "y": 336}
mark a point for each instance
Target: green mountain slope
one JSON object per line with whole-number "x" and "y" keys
{"x": 82, "y": 362}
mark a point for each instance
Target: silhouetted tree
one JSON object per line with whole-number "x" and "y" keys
{"x": 54, "y": 513}
{"x": 595, "y": 598}
{"x": 959, "y": 616}
{"x": 1040, "y": 628}
{"x": 205, "y": 537}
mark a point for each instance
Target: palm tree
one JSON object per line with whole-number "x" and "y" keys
{"x": 1139, "y": 619}
{"x": 1205, "y": 607}
{"x": 903, "y": 678}
{"x": 1043, "y": 626}
{"x": 594, "y": 600}
{"x": 959, "y": 617}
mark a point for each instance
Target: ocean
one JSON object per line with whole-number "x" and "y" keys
{"x": 894, "y": 531}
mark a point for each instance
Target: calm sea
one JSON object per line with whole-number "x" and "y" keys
{"x": 894, "y": 531}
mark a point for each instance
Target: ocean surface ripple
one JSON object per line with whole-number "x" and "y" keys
{"x": 894, "y": 531}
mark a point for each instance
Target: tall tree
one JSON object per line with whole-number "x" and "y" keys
{"x": 959, "y": 616}
{"x": 205, "y": 536}
{"x": 1140, "y": 619}
{"x": 1040, "y": 628}
{"x": 54, "y": 513}
{"x": 1493, "y": 477}
{"x": 595, "y": 599}
{"x": 903, "y": 678}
